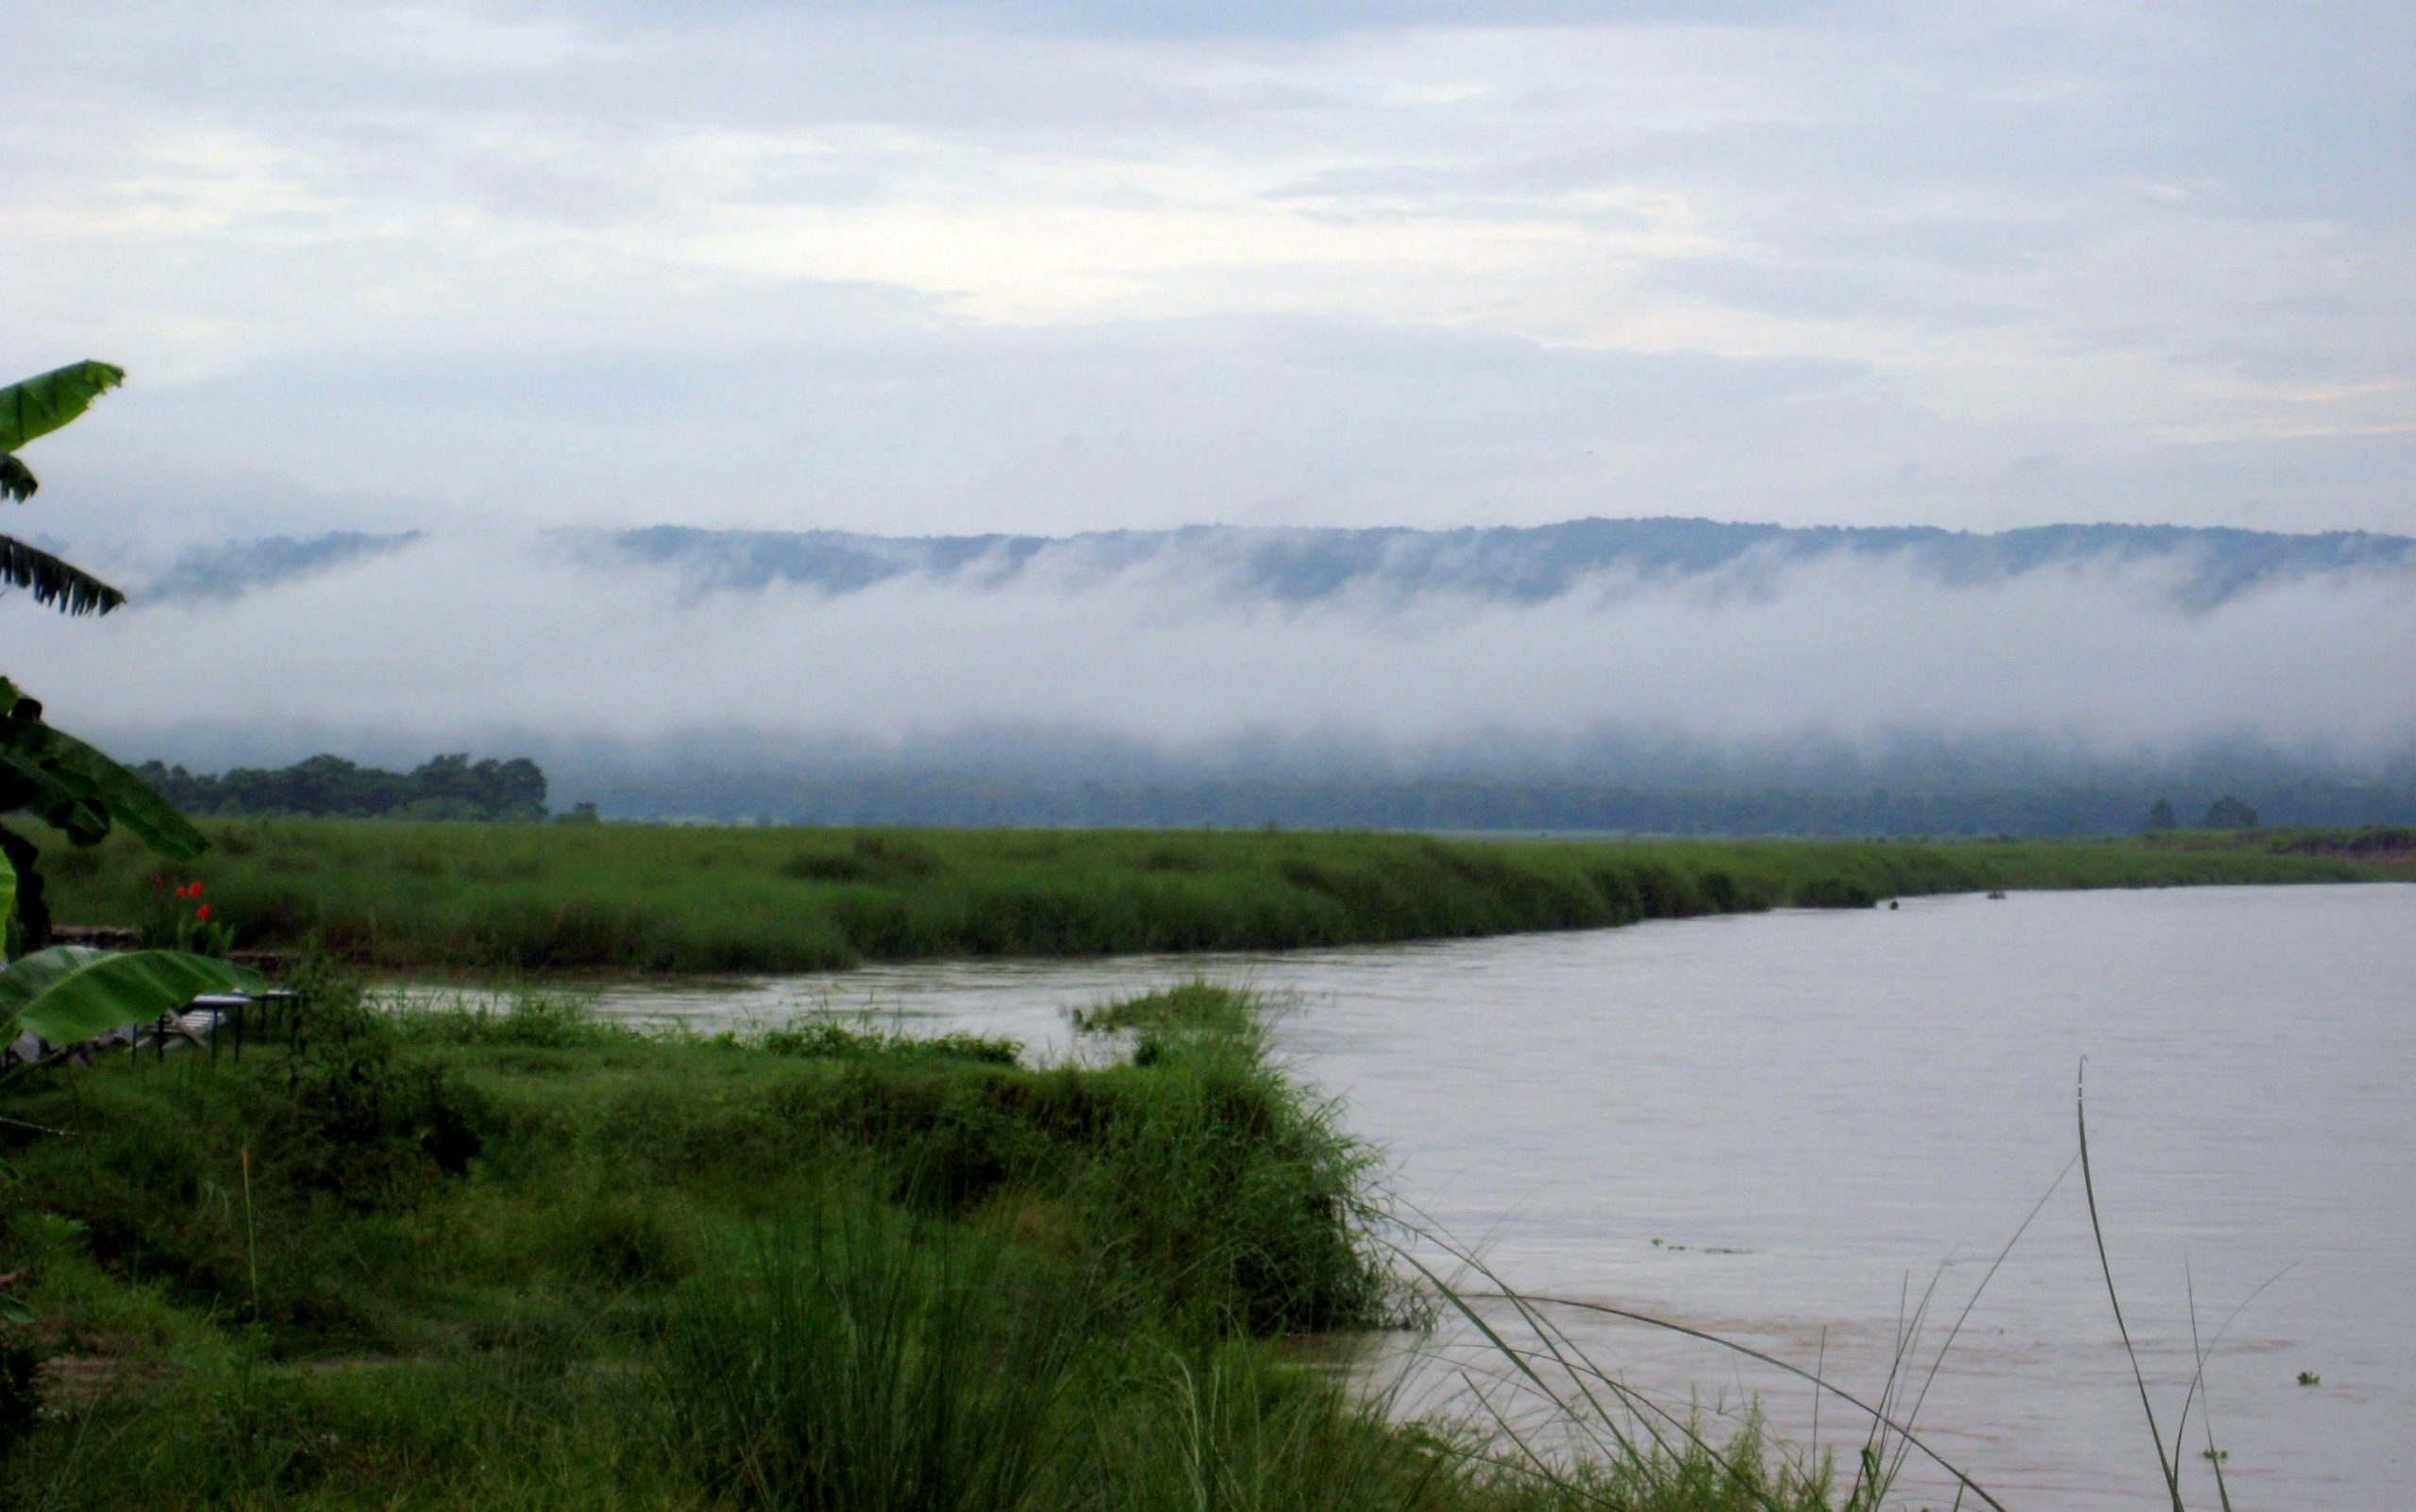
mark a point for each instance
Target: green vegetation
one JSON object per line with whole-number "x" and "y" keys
{"x": 523, "y": 1259}
{"x": 535, "y": 898}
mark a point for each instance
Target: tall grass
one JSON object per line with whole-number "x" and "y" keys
{"x": 531, "y": 1015}
{"x": 1234, "y": 1426}
{"x": 1565, "y": 1420}
{"x": 535, "y": 898}
{"x": 1237, "y": 1190}
{"x": 846, "y": 1358}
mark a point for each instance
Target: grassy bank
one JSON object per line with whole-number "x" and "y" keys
{"x": 459, "y": 1259}
{"x": 527, "y": 897}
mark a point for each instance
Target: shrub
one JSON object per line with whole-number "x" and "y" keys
{"x": 360, "y": 1124}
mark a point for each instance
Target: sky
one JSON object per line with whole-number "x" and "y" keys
{"x": 946, "y": 267}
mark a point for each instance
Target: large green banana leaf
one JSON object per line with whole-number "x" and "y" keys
{"x": 41, "y": 404}
{"x": 77, "y": 788}
{"x": 73, "y": 992}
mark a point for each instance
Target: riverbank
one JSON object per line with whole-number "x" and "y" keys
{"x": 526, "y": 1259}
{"x": 524, "y": 898}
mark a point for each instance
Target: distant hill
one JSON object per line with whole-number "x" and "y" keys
{"x": 239, "y": 567}
{"x": 1526, "y": 564}
{"x": 1522, "y": 564}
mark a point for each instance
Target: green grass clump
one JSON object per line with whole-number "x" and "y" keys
{"x": 843, "y": 1355}
{"x": 539, "y": 897}
{"x": 831, "y": 1040}
{"x": 1188, "y": 1005}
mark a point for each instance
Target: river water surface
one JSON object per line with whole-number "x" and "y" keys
{"x": 1777, "y": 1127}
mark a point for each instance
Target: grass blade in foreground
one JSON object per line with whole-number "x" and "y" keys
{"x": 1582, "y": 1370}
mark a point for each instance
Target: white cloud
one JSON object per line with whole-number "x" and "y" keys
{"x": 2128, "y": 237}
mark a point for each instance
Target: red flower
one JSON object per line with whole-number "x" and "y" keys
{"x": 203, "y": 912}
{"x": 197, "y": 887}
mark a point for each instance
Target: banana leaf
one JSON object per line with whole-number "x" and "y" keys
{"x": 73, "y": 992}
{"x": 54, "y": 582}
{"x": 75, "y": 787}
{"x": 41, "y": 404}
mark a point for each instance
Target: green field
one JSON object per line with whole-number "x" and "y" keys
{"x": 521, "y": 1259}
{"x": 661, "y": 898}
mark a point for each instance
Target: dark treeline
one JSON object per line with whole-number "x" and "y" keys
{"x": 960, "y": 797}
{"x": 445, "y": 787}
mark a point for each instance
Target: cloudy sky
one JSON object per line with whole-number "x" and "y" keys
{"x": 954, "y": 267}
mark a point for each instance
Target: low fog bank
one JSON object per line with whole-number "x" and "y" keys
{"x": 646, "y": 691}
{"x": 1022, "y": 776}
{"x": 1908, "y": 786}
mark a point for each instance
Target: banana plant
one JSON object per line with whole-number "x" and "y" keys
{"x": 69, "y": 993}
{"x": 44, "y": 770}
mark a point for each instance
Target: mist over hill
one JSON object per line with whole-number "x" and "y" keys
{"x": 1519, "y": 564}
{"x": 1515, "y": 564}
{"x": 1654, "y": 674}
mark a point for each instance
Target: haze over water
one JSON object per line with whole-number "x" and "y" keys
{"x": 1814, "y": 1111}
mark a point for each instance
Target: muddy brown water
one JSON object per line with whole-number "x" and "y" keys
{"x": 1784, "y": 1128}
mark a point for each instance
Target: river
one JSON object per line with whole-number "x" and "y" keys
{"x": 1780, "y": 1127}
